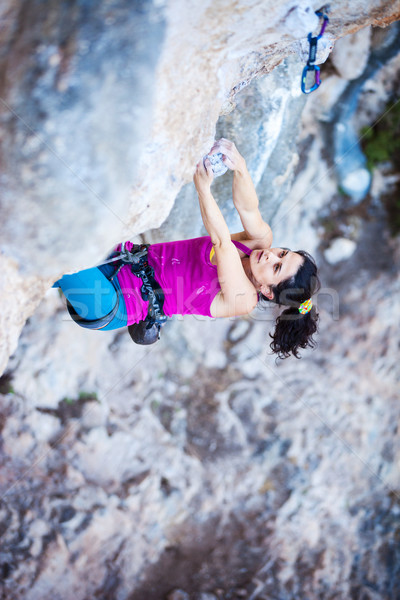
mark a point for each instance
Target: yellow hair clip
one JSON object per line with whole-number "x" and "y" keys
{"x": 305, "y": 307}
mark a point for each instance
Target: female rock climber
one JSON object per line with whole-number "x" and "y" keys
{"x": 220, "y": 275}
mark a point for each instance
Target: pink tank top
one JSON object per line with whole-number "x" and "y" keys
{"x": 185, "y": 273}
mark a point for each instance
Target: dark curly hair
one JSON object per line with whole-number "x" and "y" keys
{"x": 292, "y": 329}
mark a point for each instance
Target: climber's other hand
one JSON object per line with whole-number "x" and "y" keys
{"x": 230, "y": 154}
{"x": 203, "y": 176}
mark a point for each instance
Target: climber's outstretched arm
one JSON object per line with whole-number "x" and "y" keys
{"x": 244, "y": 195}
{"x": 211, "y": 214}
{"x": 237, "y": 295}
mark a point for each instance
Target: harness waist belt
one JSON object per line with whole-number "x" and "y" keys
{"x": 150, "y": 290}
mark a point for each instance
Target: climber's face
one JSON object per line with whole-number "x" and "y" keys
{"x": 271, "y": 266}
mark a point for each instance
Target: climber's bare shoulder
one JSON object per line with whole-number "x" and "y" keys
{"x": 260, "y": 237}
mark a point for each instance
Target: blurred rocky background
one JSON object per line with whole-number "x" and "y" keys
{"x": 200, "y": 468}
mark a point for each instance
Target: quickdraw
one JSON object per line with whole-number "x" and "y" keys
{"x": 311, "y": 67}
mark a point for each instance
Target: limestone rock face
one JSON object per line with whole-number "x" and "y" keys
{"x": 200, "y": 467}
{"x": 76, "y": 90}
{"x": 351, "y": 53}
{"x": 107, "y": 97}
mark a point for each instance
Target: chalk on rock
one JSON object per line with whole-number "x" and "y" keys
{"x": 324, "y": 48}
{"x": 217, "y": 164}
{"x": 300, "y": 21}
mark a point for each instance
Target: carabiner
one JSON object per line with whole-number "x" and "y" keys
{"x": 312, "y": 55}
{"x": 324, "y": 24}
{"x": 317, "y": 80}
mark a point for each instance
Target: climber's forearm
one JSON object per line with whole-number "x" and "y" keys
{"x": 212, "y": 217}
{"x": 213, "y": 220}
{"x": 246, "y": 203}
{"x": 243, "y": 192}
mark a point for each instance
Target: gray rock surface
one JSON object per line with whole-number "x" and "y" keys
{"x": 264, "y": 125}
{"x": 204, "y": 465}
{"x": 105, "y": 110}
{"x": 201, "y": 467}
{"x": 69, "y": 154}
{"x": 350, "y": 54}
{"x": 76, "y": 91}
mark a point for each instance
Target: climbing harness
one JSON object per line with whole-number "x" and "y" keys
{"x": 311, "y": 66}
{"x": 148, "y": 331}
{"x": 144, "y": 332}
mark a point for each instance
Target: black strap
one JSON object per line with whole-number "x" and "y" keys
{"x": 152, "y": 293}
{"x": 150, "y": 290}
